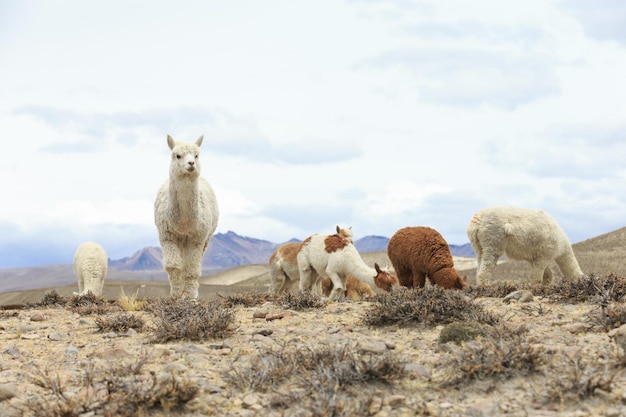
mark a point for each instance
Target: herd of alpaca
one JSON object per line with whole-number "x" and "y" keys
{"x": 186, "y": 215}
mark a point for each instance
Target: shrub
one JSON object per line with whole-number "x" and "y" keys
{"x": 501, "y": 351}
{"x": 119, "y": 323}
{"x": 90, "y": 304}
{"x": 300, "y": 300}
{"x": 431, "y": 305}
{"x": 51, "y": 299}
{"x": 182, "y": 318}
{"x": 246, "y": 299}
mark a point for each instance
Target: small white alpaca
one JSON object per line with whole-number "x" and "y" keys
{"x": 90, "y": 266}
{"x": 186, "y": 214}
{"x": 522, "y": 234}
{"x": 335, "y": 257}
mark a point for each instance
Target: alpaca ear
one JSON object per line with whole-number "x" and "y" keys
{"x": 377, "y": 268}
{"x": 337, "y": 228}
{"x": 199, "y": 140}
{"x": 170, "y": 142}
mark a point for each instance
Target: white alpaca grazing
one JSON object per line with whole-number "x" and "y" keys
{"x": 90, "y": 267}
{"x": 335, "y": 257}
{"x": 522, "y": 234}
{"x": 186, "y": 214}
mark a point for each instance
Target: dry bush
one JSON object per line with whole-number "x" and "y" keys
{"x": 182, "y": 318}
{"x": 431, "y": 305}
{"x": 320, "y": 380}
{"x": 611, "y": 287}
{"x": 4, "y": 314}
{"x": 500, "y": 351}
{"x": 572, "y": 378}
{"x": 495, "y": 290}
{"x": 119, "y": 323}
{"x": 90, "y": 304}
{"x": 51, "y": 299}
{"x": 122, "y": 390}
{"x": 461, "y": 331}
{"x": 300, "y": 300}
{"x": 246, "y": 299}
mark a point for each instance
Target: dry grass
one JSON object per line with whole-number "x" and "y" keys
{"x": 120, "y": 323}
{"x": 190, "y": 319}
{"x": 130, "y": 302}
{"x": 431, "y": 305}
{"x": 246, "y": 298}
{"x": 121, "y": 390}
{"x": 300, "y": 300}
{"x": 90, "y": 304}
{"x": 499, "y": 351}
{"x": 320, "y": 380}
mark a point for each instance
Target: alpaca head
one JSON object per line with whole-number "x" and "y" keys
{"x": 185, "y": 158}
{"x": 384, "y": 279}
{"x": 345, "y": 233}
{"x": 448, "y": 278}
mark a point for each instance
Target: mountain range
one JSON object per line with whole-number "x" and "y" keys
{"x": 229, "y": 250}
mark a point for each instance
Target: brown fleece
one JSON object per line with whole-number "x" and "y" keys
{"x": 289, "y": 252}
{"x": 420, "y": 252}
{"x": 335, "y": 242}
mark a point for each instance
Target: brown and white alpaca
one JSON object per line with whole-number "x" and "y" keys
{"x": 336, "y": 257}
{"x": 283, "y": 264}
{"x": 283, "y": 267}
{"x": 420, "y": 252}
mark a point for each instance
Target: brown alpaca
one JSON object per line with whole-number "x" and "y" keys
{"x": 420, "y": 252}
{"x": 355, "y": 289}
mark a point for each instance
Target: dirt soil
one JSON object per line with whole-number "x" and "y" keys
{"x": 41, "y": 346}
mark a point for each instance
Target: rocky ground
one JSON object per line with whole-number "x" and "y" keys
{"x": 60, "y": 361}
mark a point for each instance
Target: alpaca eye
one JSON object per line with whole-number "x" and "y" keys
{"x": 177, "y": 156}
{"x": 196, "y": 156}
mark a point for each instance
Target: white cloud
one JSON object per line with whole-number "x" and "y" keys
{"x": 372, "y": 114}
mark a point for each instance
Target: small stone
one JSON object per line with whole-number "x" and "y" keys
{"x": 7, "y": 391}
{"x": 522, "y": 296}
{"x": 37, "y": 317}
{"x": 371, "y": 346}
{"x": 30, "y": 336}
{"x": 71, "y": 351}
{"x": 263, "y": 332}
{"x": 390, "y": 344}
{"x": 275, "y": 316}
{"x": 12, "y": 350}
{"x": 56, "y": 336}
{"x": 259, "y": 314}
{"x": 250, "y": 401}
{"x": 414, "y": 369}
{"x": 130, "y": 332}
{"x": 394, "y": 400}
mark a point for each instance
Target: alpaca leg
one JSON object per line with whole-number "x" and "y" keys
{"x": 486, "y": 266}
{"x": 192, "y": 258}
{"x": 569, "y": 265}
{"x": 537, "y": 273}
{"x": 339, "y": 287}
{"x": 81, "y": 285}
{"x": 419, "y": 280}
{"x": 547, "y": 276}
{"x": 306, "y": 278}
{"x": 176, "y": 283}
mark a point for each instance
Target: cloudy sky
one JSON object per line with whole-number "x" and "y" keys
{"x": 363, "y": 113}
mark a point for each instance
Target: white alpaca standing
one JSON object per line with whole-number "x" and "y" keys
{"x": 186, "y": 214}
{"x": 335, "y": 257}
{"x": 522, "y": 234}
{"x": 90, "y": 266}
